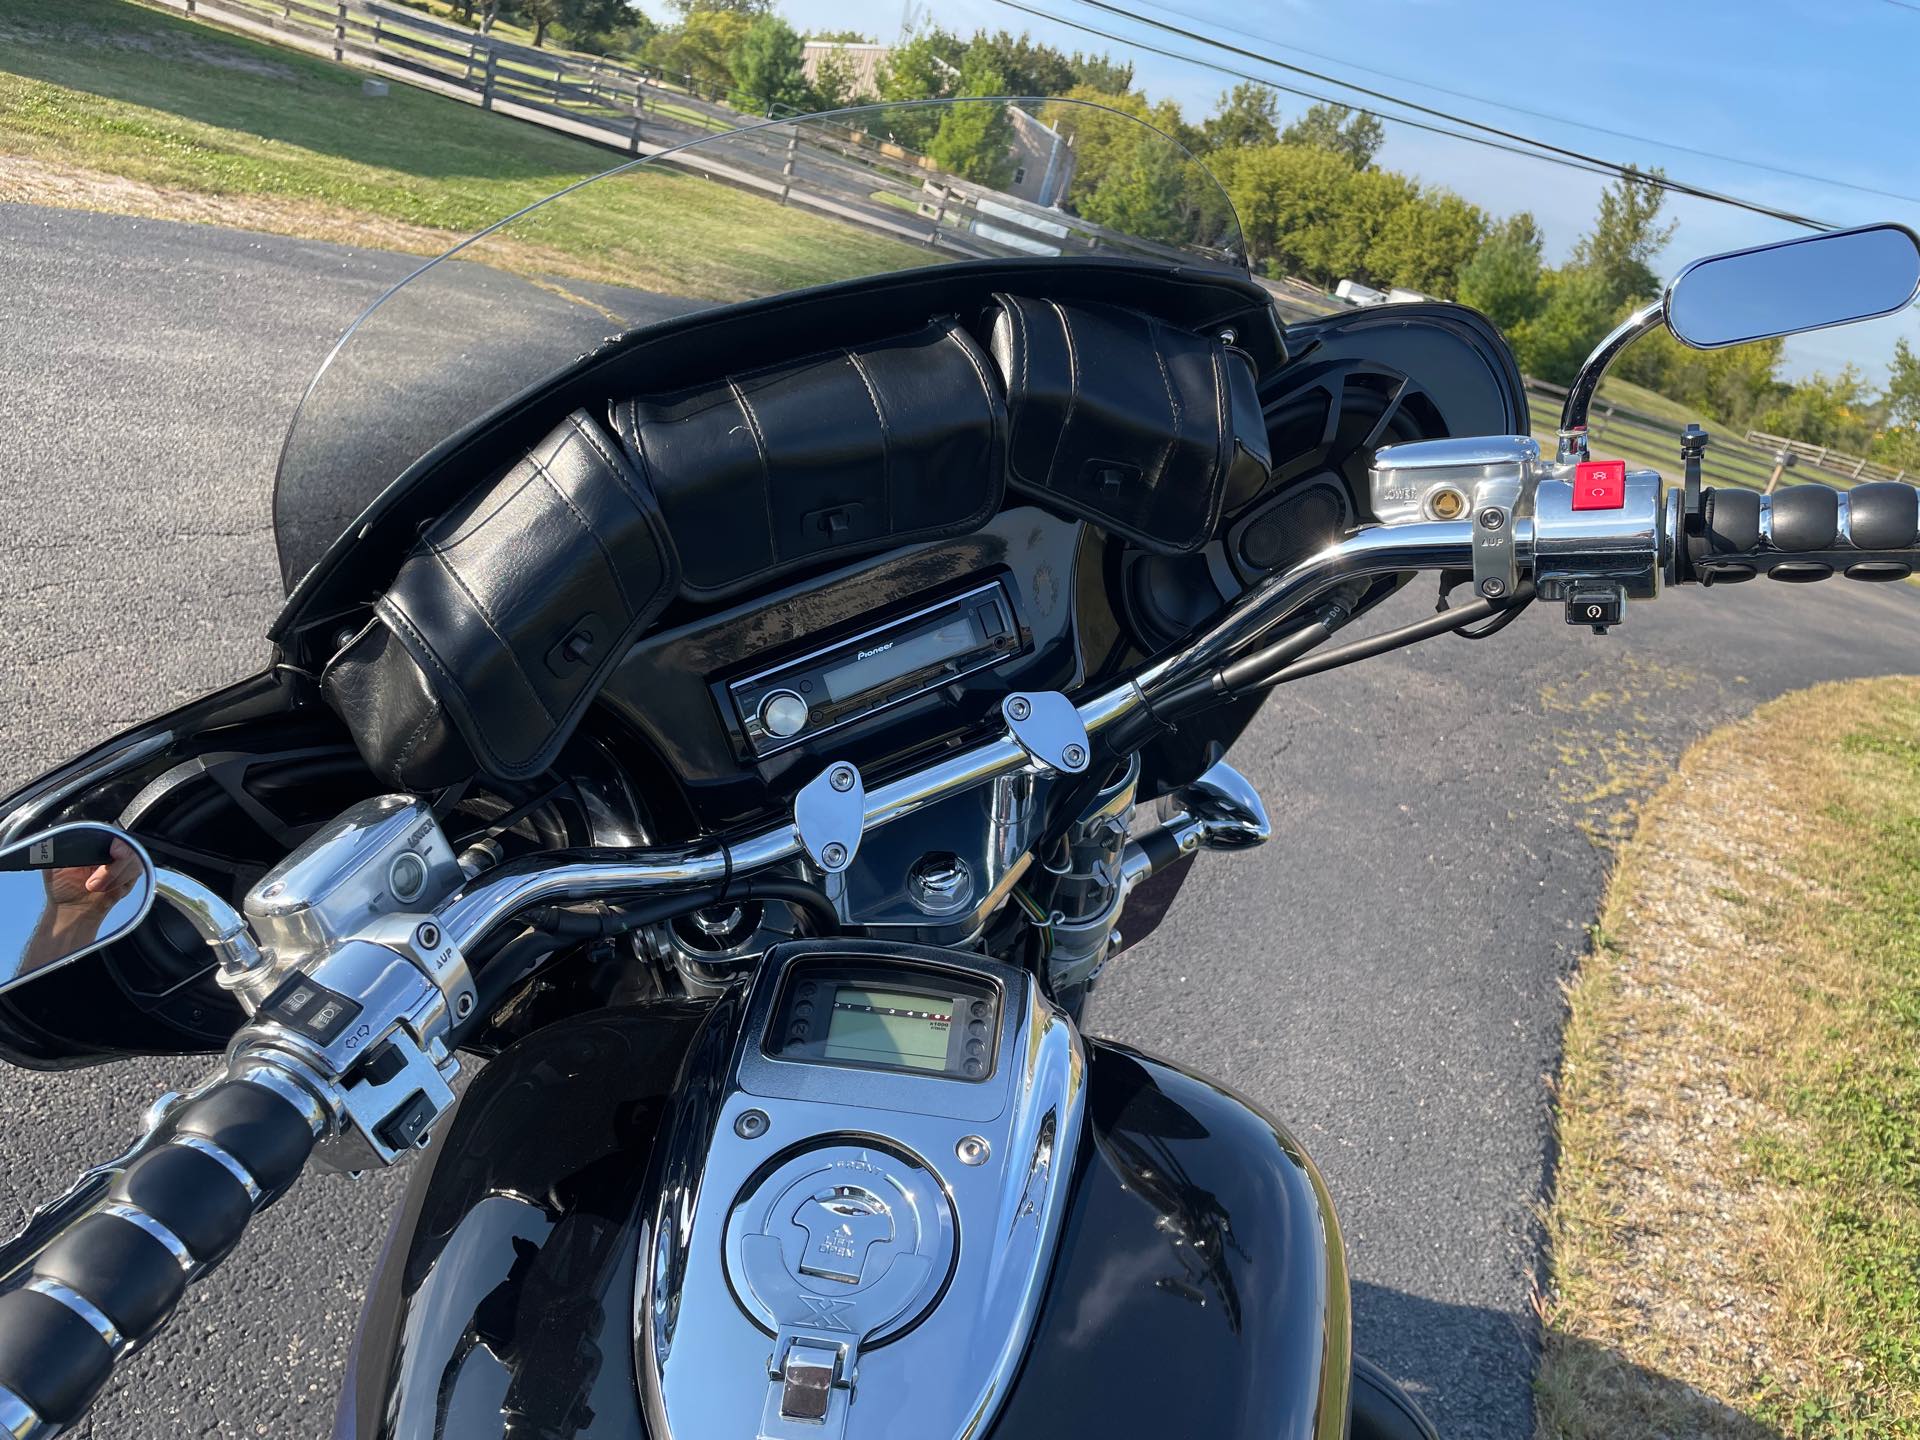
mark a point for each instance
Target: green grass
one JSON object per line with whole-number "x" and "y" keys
{"x": 1736, "y": 1220}
{"x": 286, "y": 142}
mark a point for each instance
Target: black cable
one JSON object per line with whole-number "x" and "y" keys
{"x": 1535, "y": 149}
{"x": 1503, "y": 618}
{"x": 1548, "y": 115}
{"x": 1444, "y": 623}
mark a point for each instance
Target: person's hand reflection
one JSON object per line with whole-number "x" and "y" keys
{"x": 79, "y": 899}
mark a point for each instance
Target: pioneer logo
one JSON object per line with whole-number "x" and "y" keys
{"x": 876, "y": 650}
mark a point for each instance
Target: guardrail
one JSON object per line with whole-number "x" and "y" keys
{"x": 864, "y": 179}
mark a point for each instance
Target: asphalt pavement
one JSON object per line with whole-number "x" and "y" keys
{"x": 1384, "y": 976}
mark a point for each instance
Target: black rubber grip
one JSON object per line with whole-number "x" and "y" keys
{"x": 132, "y": 1278}
{"x": 1806, "y": 517}
{"x": 49, "y": 1356}
{"x": 193, "y": 1195}
{"x": 251, "y": 1123}
{"x": 1803, "y": 537}
{"x": 129, "y": 1267}
{"x": 1884, "y": 516}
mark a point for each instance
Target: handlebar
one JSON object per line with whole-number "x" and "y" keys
{"x": 109, "y": 1280}
{"x": 1806, "y": 532}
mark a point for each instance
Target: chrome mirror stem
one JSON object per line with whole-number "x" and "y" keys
{"x": 1573, "y": 415}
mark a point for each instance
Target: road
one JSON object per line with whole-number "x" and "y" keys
{"x": 1384, "y": 976}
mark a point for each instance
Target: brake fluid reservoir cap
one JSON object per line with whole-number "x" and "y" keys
{"x": 854, "y": 1234}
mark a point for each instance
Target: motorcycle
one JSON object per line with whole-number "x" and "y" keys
{"x": 741, "y": 744}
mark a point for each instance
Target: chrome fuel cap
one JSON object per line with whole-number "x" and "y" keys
{"x": 845, "y": 1238}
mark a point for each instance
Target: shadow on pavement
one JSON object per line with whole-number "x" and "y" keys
{"x": 1419, "y": 1341}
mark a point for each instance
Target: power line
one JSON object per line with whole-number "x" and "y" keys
{"x": 1544, "y": 149}
{"x": 1557, "y": 119}
{"x": 1304, "y": 94}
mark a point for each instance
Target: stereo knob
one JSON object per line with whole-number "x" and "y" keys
{"x": 783, "y": 714}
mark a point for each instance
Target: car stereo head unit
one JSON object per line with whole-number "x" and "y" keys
{"x": 791, "y": 703}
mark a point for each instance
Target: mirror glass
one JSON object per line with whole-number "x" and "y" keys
{"x": 66, "y": 892}
{"x": 1806, "y": 284}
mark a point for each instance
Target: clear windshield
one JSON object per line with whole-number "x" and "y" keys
{"x": 738, "y": 215}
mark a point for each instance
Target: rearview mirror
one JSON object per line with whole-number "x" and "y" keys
{"x": 66, "y": 892}
{"x": 1795, "y": 285}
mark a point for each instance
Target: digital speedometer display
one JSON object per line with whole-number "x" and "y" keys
{"x": 884, "y": 1027}
{"x": 886, "y": 1014}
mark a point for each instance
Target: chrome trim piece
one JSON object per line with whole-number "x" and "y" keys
{"x": 95, "y": 1317}
{"x": 141, "y": 1220}
{"x": 270, "y": 1076}
{"x": 217, "y": 922}
{"x": 829, "y": 816}
{"x": 20, "y": 1421}
{"x": 708, "y": 1367}
{"x": 1573, "y": 414}
{"x": 1048, "y": 727}
{"x": 225, "y": 1161}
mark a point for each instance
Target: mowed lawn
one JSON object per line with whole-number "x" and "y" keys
{"x": 107, "y": 104}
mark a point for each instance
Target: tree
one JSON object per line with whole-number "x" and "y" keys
{"x": 834, "y": 80}
{"x": 1502, "y": 280}
{"x": 1902, "y": 397}
{"x": 541, "y": 14}
{"x": 1295, "y": 207}
{"x": 838, "y": 37}
{"x": 1027, "y": 67}
{"x": 1246, "y": 115}
{"x": 975, "y": 141}
{"x": 1626, "y": 235}
{"x": 924, "y": 68}
{"x": 1834, "y": 410}
{"x": 767, "y": 68}
{"x": 1575, "y": 312}
{"x": 701, "y": 48}
{"x": 1102, "y": 72}
{"x": 748, "y": 8}
{"x": 1339, "y": 128}
{"x": 1426, "y": 242}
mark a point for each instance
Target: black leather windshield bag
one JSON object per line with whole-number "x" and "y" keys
{"x": 1145, "y": 429}
{"x": 852, "y": 449}
{"x": 503, "y": 622}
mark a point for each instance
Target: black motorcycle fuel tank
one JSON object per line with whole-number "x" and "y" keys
{"x": 1198, "y": 1237}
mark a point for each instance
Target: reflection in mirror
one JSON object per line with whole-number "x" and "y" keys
{"x": 1806, "y": 284}
{"x": 66, "y": 892}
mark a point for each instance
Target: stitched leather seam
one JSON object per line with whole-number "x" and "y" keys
{"x": 613, "y": 464}
{"x": 967, "y": 348}
{"x": 886, "y": 436}
{"x": 766, "y": 475}
{"x": 422, "y": 648}
{"x": 1073, "y": 388}
{"x": 413, "y": 743}
{"x": 501, "y": 498}
{"x": 1154, "y": 331}
{"x": 613, "y": 570}
{"x": 351, "y": 641}
{"x": 493, "y": 627}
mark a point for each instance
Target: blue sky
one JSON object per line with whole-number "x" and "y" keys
{"x": 1829, "y": 88}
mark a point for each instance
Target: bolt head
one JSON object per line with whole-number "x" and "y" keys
{"x": 1493, "y": 587}
{"x": 427, "y": 937}
{"x": 842, "y": 778}
{"x": 834, "y": 856}
{"x": 972, "y": 1150}
{"x": 1019, "y": 707}
{"x": 463, "y": 1007}
{"x": 751, "y": 1124}
{"x": 1492, "y": 518}
{"x": 1074, "y": 755}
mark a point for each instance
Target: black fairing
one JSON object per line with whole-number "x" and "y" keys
{"x": 1198, "y": 1234}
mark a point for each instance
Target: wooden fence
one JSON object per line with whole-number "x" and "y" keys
{"x": 864, "y": 179}
{"x": 1825, "y": 457}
